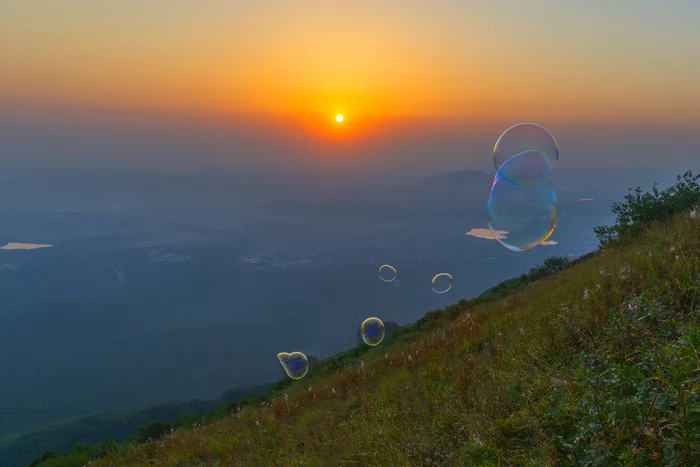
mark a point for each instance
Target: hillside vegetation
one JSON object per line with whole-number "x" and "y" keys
{"x": 592, "y": 363}
{"x": 118, "y": 426}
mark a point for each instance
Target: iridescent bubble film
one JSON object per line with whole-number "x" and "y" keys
{"x": 295, "y": 364}
{"x": 441, "y": 283}
{"x": 387, "y": 273}
{"x": 522, "y": 216}
{"x": 372, "y": 331}
{"x": 531, "y": 141}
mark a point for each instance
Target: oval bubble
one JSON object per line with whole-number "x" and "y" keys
{"x": 533, "y": 140}
{"x": 372, "y": 330}
{"x": 441, "y": 283}
{"x": 295, "y": 364}
{"x": 387, "y": 273}
{"x": 521, "y": 216}
{"x": 397, "y": 283}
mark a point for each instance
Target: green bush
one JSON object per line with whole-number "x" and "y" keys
{"x": 636, "y": 395}
{"x": 640, "y": 209}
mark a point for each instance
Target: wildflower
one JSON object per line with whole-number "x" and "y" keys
{"x": 624, "y": 272}
{"x": 676, "y": 257}
{"x": 332, "y": 390}
{"x": 597, "y": 286}
{"x": 286, "y": 397}
{"x": 386, "y": 355}
{"x": 585, "y": 294}
{"x": 693, "y": 214}
{"x": 362, "y": 364}
{"x": 558, "y": 381}
{"x": 409, "y": 357}
{"x": 309, "y": 388}
{"x": 633, "y": 304}
{"x": 672, "y": 249}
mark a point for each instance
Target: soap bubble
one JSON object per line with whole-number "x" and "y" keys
{"x": 533, "y": 143}
{"x": 295, "y": 364}
{"x": 441, "y": 283}
{"x": 372, "y": 330}
{"x": 387, "y": 273}
{"x": 522, "y": 216}
{"x": 397, "y": 283}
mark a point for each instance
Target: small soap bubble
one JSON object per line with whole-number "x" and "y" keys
{"x": 397, "y": 283}
{"x": 372, "y": 330}
{"x": 522, "y": 216}
{"x": 295, "y": 364}
{"x": 441, "y": 283}
{"x": 387, "y": 273}
{"x": 535, "y": 144}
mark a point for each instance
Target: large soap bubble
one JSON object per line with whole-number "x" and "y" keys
{"x": 531, "y": 142}
{"x": 522, "y": 216}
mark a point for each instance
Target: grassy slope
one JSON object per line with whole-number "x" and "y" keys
{"x": 598, "y": 360}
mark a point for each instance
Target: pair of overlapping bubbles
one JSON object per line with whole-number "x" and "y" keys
{"x": 295, "y": 364}
{"x": 522, "y": 208}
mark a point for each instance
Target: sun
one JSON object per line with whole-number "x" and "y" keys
{"x": 339, "y": 118}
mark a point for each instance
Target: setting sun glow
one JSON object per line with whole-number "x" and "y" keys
{"x": 339, "y": 118}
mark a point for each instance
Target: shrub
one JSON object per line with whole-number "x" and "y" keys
{"x": 640, "y": 209}
{"x": 635, "y": 398}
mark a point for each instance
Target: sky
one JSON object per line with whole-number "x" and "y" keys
{"x": 421, "y": 84}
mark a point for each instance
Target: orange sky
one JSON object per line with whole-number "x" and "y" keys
{"x": 371, "y": 61}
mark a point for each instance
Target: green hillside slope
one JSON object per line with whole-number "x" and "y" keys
{"x": 595, "y": 365}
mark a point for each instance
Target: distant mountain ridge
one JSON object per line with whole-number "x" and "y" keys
{"x": 459, "y": 178}
{"x": 110, "y": 425}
